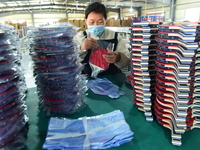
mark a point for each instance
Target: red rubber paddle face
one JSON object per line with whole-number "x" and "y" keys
{"x": 97, "y": 60}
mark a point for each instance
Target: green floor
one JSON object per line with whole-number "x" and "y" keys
{"x": 147, "y": 135}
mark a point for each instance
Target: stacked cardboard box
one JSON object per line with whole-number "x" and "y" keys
{"x": 63, "y": 20}
{"x": 111, "y": 22}
{"x": 125, "y": 23}
{"x": 82, "y": 25}
{"x": 75, "y": 22}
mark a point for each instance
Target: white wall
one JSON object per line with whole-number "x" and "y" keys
{"x": 126, "y": 12}
{"x": 182, "y": 6}
{"x": 76, "y": 16}
{"x": 38, "y": 18}
{"x": 17, "y": 18}
{"x": 188, "y": 2}
{"x": 157, "y": 8}
{"x": 112, "y": 15}
{"x": 180, "y": 9}
{"x": 47, "y": 18}
{"x": 192, "y": 14}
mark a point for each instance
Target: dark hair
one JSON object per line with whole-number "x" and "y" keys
{"x": 96, "y": 7}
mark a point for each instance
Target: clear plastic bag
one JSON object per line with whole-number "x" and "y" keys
{"x": 17, "y": 142}
{"x": 12, "y": 91}
{"x": 104, "y": 87}
{"x": 52, "y": 31}
{"x": 97, "y": 62}
{"x": 64, "y": 42}
{"x": 97, "y": 132}
{"x": 57, "y": 68}
{"x": 6, "y": 47}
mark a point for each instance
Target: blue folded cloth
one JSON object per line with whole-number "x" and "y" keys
{"x": 97, "y": 132}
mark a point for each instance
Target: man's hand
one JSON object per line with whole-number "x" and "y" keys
{"x": 112, "y": 57}
{"x": 89, "y": 43}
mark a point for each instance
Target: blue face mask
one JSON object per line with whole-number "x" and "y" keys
{"x": 96, "y": 30}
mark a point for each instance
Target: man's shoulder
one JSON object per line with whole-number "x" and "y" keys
{"x": 110, "y": 33}
{"x": 109, "y": 30}
{"x": 79, "y": 34}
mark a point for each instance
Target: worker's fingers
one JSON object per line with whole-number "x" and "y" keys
{"x": 112, "y": 57}
{"x": 89, "y": 43}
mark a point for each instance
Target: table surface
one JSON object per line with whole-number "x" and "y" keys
{"x": 147, "y": 135}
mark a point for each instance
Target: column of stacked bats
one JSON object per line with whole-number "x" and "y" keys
{"x": 175, "y": 64}
{"x": 171, "y": 89}
{"x": 57, "y": 69}
{"x": 13, "y": 116}
{"x": 143, "y": 54}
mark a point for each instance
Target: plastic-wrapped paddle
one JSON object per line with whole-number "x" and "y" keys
{"x": 97, "y": 62}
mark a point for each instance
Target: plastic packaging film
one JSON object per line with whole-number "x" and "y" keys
{"x": 104, "y": 87}
{"x": 96, "y": 132}
{"x": 97, "y": 62}
{"x": 57, "y": 68}
{"x": 13, "y": 115}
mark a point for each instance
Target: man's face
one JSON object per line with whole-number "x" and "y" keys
{"x": 95, "y": 19}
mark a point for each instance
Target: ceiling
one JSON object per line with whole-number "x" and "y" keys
{"x": 68, "y": 6}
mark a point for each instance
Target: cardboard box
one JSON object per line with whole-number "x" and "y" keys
{"x": 128, "y": 23}
{"x": 123, "y": 23}
{"x": 82, "y": 23}
{"x": 83, "y": 28}
{"x": 107, "y": 22}
{"x": 22, "y": 24}
{"x": 63, "y": 20}
{"x": 55, "y": 22}
{"x": 113, "y": 23}
{"x": 110, "y": 22}
{"x": 117, "y": 23}
{"x": 75, "y": 22}
{"x": 70, "y": 21}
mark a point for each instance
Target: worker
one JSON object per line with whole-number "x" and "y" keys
{"x": 117, "y": 57}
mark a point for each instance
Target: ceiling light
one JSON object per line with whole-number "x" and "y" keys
{"x": 131, "y": 9}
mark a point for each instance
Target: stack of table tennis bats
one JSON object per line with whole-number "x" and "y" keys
{"x": 165, "y": 78}
{"x": 143, "y": 54}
